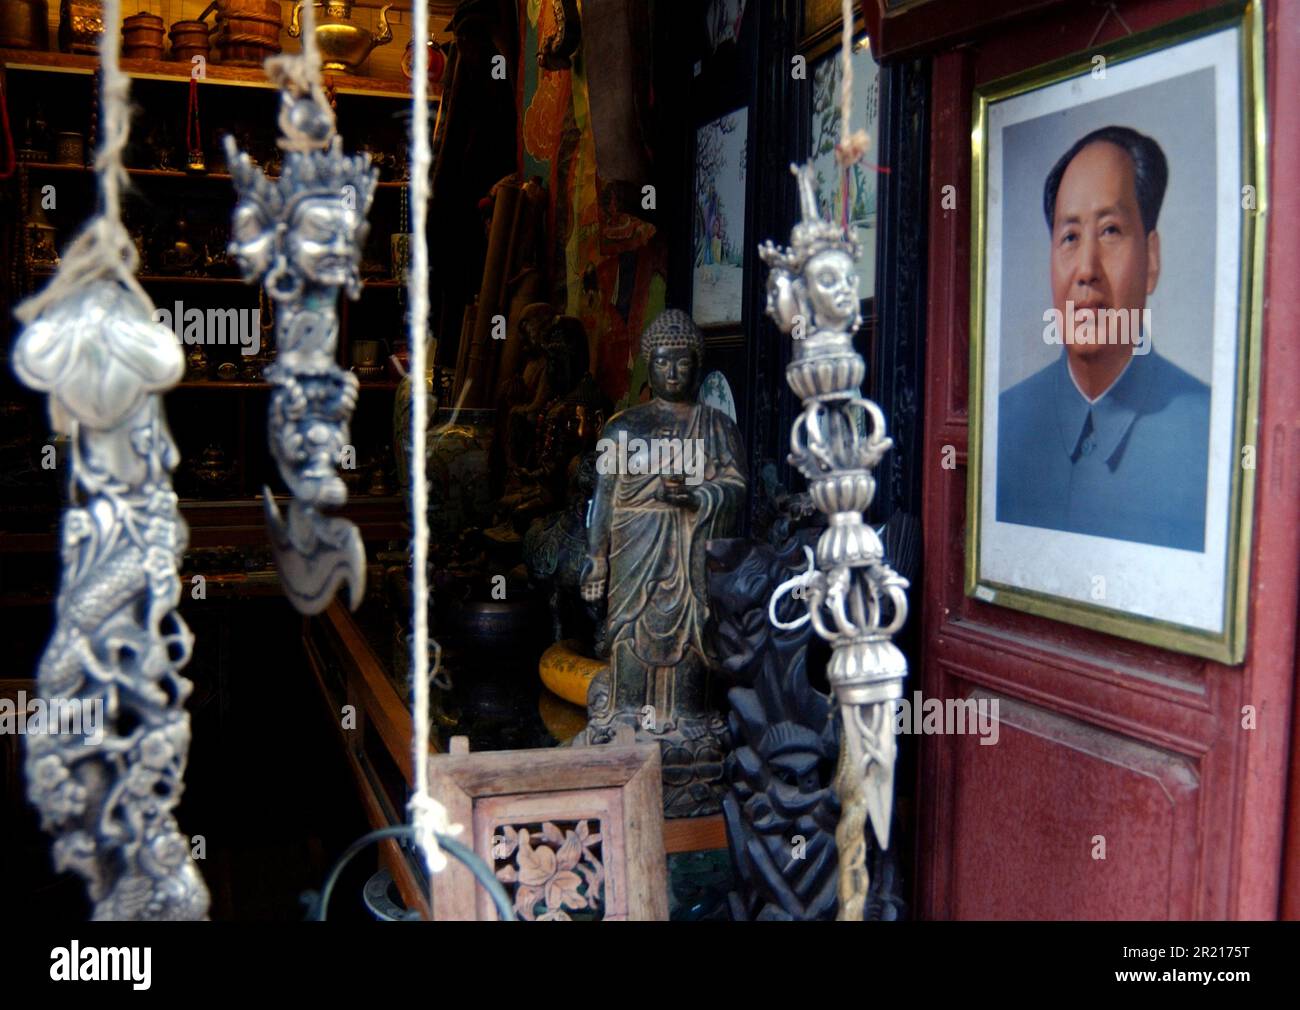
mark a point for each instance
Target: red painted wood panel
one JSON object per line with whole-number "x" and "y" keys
{"x": 1101, "y": 735}
{"x": 1028, "y": 856}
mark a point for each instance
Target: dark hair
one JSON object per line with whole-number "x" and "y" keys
{"x": 1150, "y": 171}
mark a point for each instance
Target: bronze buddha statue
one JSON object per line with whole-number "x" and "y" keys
{"x": 671, "y": 476}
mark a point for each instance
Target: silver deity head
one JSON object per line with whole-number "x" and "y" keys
{"x": 815, "y": 278}
{"x": 308, "y": 226}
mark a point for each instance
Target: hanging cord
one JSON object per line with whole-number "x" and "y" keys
{"x": 428, "y": 816}
{"x": 853, "y": 145}
{"x": 10, "y": 157}
{"x": 104, "y": 248}
{"x": 193, "y": 137}
{"x": 303, "y": 76}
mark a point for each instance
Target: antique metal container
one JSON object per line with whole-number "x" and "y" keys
{"x": 24, "y": 24}
{"x": 69, "y": 148}
{"x": 81, "y": 22}
{"x": 344, "y": 44}
{"x": 42, "y": 247}
{"x": 437, "y": 61}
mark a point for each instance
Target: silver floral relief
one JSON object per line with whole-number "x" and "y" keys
{"x": 554, "y": 870}
{"x": 856, "y": 602}
{"x": 107, "y": 787}
{"x": 301, "y": 236}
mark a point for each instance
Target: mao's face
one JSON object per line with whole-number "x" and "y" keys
{"x": 832, "y": 283}
{"x": 1101, "y": 257}
{"x": 321, "y": 241}
{"x": 672, "y": 373}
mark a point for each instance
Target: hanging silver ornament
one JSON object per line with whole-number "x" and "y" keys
{"x": 107, "y": 770}
{"x": 856, "y": 602}
{"x": 301, "y": 236}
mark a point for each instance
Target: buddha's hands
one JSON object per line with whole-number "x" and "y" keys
{"x": 595, "y": 575}
{"x": 674, "y": 491}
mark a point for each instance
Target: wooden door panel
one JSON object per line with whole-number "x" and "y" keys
{"x": 1033, "y": 809}
{"x": 1179, "y": 762}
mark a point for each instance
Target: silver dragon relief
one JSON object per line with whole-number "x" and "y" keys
{"x": 856, "y": 602}
{"x": 301, "y": 236}
{"x": 107, "y": 781}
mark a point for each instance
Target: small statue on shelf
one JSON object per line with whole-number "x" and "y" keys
{"x": 671, "y": 476}
{"x": 181, "y": 257}
{"x": 555, "y": 550}
{"x": 525, "y": 395}
{"x": 568, "y": 427}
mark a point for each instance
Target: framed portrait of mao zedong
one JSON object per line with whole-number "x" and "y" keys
{"x": 1116, "y": 275}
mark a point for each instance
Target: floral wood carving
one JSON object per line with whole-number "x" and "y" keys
{"x": 572, "y": 833}
{"x": 556, "y": 871}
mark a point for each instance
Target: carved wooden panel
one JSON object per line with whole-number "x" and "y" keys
{"x": 555, "y": 870}
{"x": 572, "y": 833}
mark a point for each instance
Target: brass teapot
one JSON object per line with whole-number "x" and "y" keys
{"x": 344, "y": 45}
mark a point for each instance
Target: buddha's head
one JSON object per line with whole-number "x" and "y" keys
{"x": 673, "y": 348}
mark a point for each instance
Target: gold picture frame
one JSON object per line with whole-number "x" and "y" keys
{"x": 1227, "y": 643}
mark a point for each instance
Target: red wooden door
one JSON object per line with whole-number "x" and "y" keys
{"x": 1100, "y": 735}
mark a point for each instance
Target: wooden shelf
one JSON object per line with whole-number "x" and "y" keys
{"x": 237, "y": 522}
{"x": 216, "y": 74}
{"x": 389, "y": 385}
{"x": 166, "y": 173}
{"x": 201, "y": 279}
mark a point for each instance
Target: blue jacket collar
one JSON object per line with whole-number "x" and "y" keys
{"x": 1112, "y": 416}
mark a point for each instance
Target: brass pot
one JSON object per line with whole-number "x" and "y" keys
{"x": 24, "y": 24}
{"x": 344, "y": 45}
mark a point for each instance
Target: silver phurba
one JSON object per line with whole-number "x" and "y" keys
{"x": 301, "y": 236}
{"x": 856, "y": 602}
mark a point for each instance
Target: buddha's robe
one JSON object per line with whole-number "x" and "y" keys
{"x": 658, "y": 603}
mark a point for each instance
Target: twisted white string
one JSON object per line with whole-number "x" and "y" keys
{"x": 104, "y": 248}
{"x": 853, "y": 143}
{"x": 428, "y": 816}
